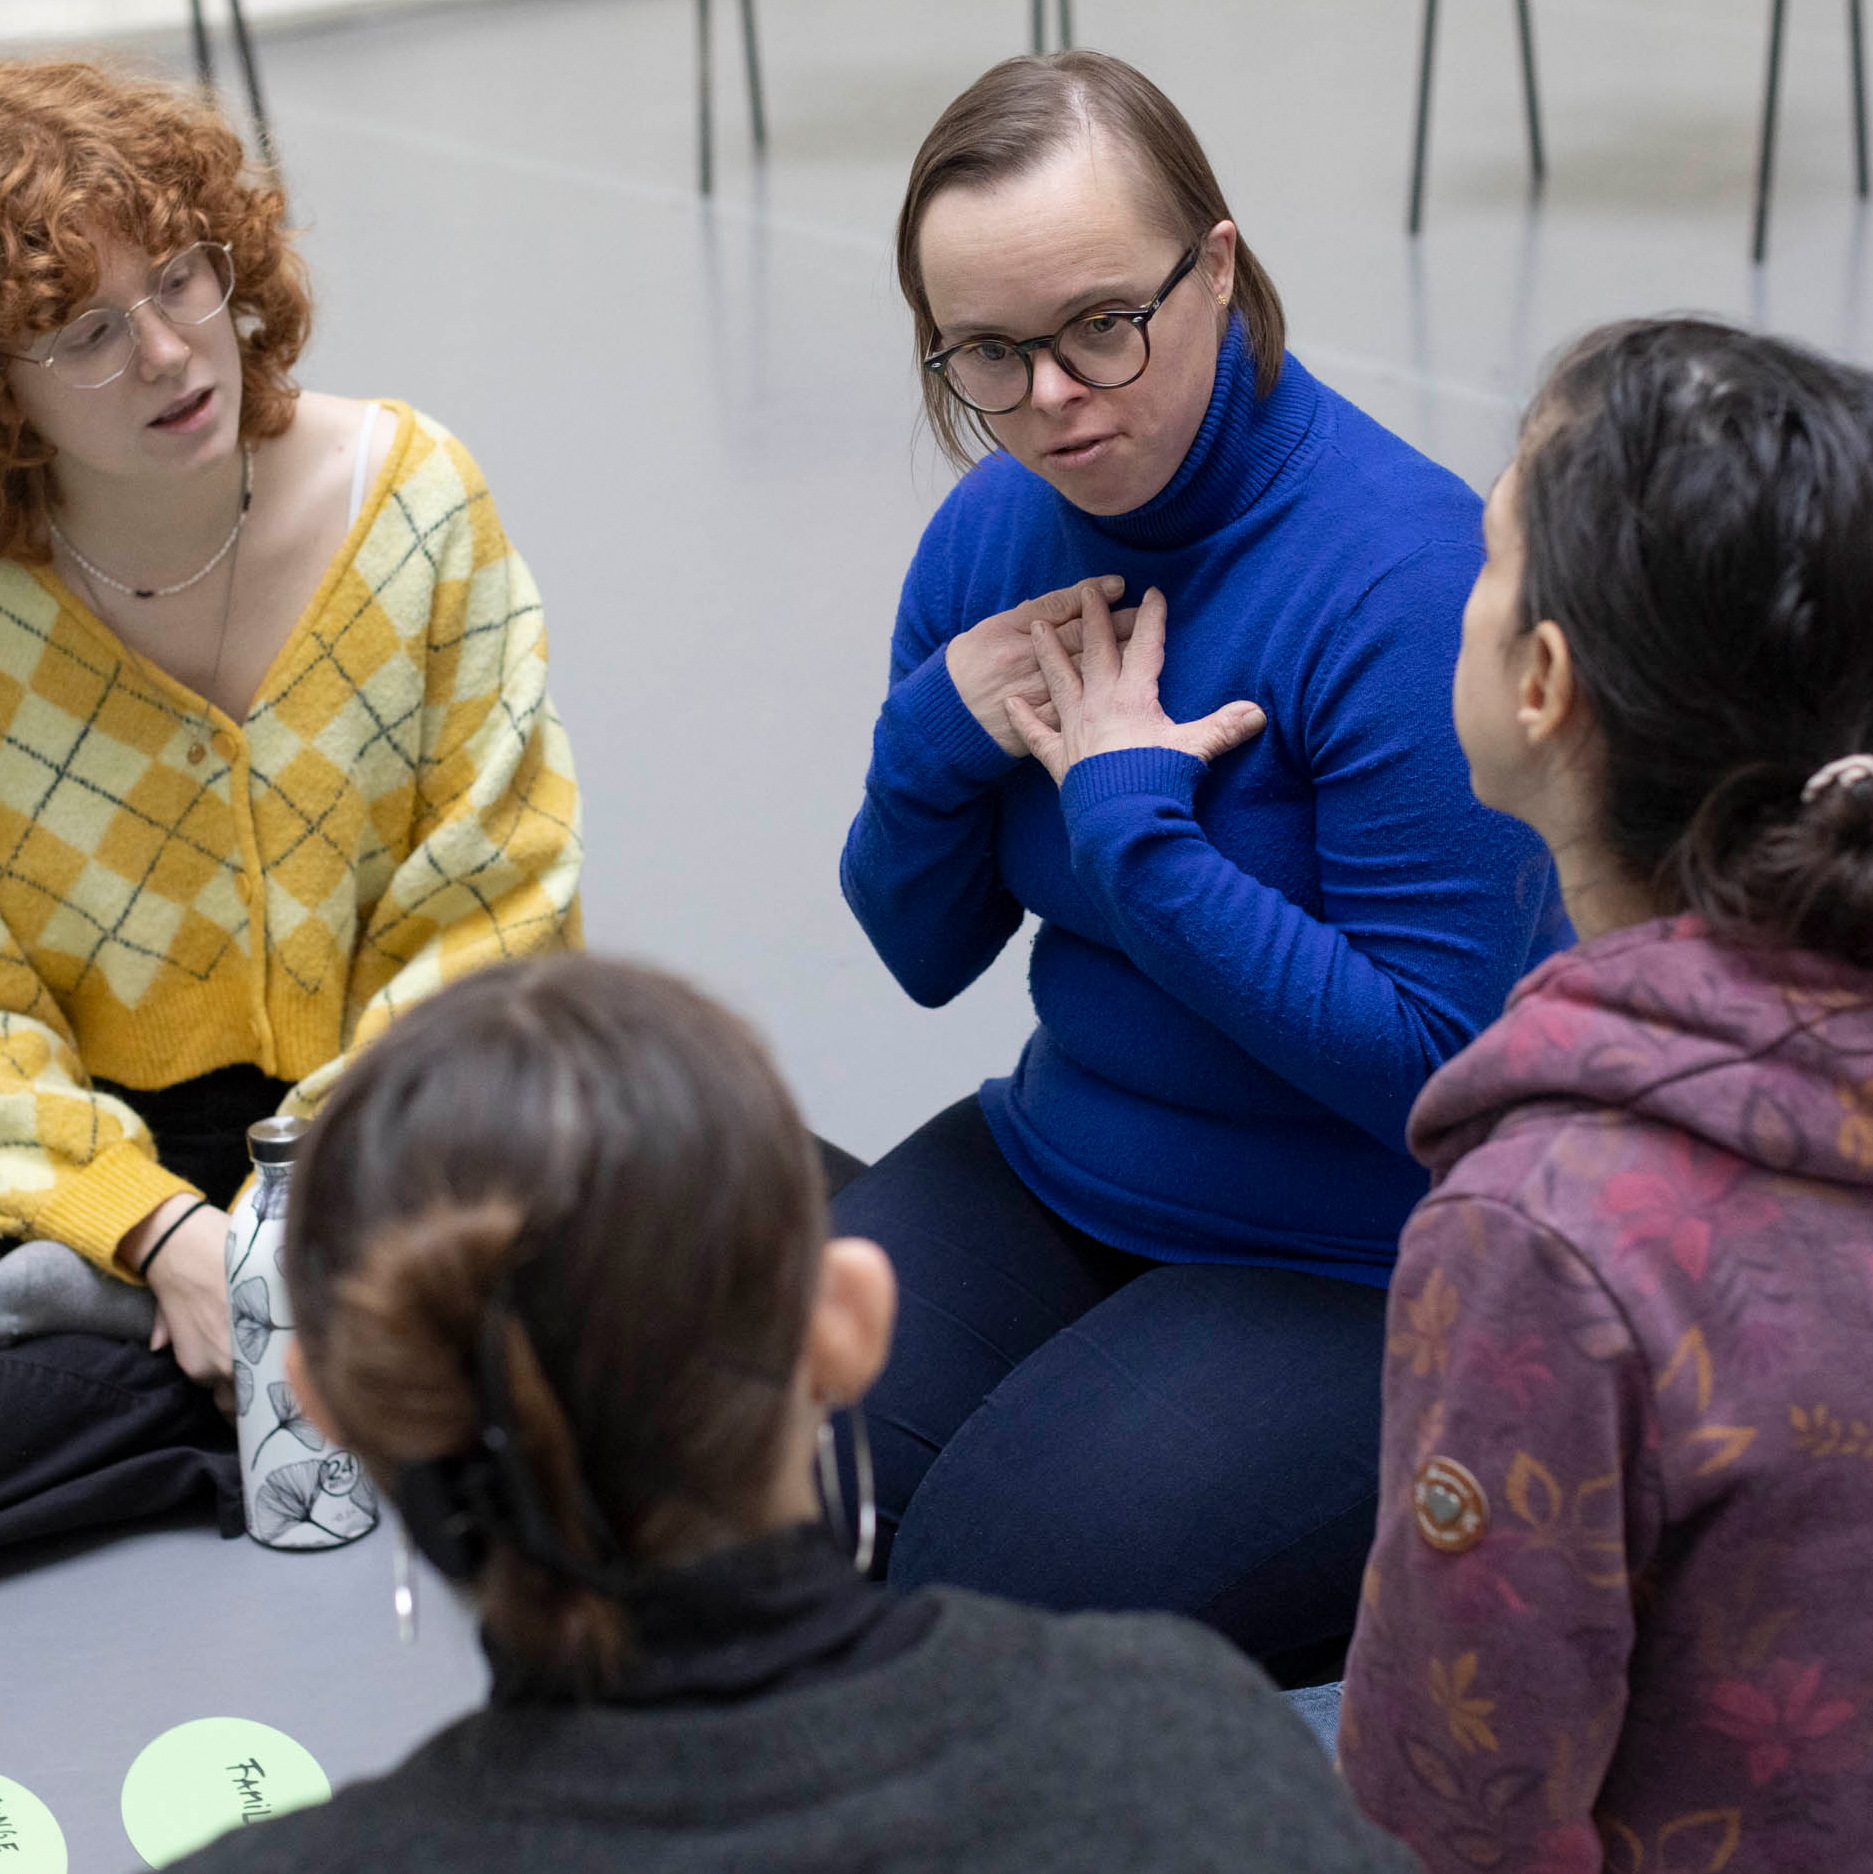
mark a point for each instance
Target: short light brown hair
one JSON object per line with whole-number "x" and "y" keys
{"x": 1010, "y": 121}
{"x": 81, "y": 149}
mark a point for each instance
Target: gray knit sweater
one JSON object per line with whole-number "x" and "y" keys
{"x": 1005, "y": 1739}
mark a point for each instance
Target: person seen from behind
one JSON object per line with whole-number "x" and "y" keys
{"x": 1616, "y": 1615}
{"x": 559, "y": 1265}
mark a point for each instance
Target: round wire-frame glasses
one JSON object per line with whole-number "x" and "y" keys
{"x": 99, "y": 346}
{"x": 1104, "y": 350}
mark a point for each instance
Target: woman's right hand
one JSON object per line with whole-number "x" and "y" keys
{"x": 995, "y": 660}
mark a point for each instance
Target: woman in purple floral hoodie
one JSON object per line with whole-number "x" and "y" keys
{"x": 1619, "y": 1614}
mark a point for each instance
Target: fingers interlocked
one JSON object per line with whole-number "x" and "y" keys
{"x": 1107, "y": 699}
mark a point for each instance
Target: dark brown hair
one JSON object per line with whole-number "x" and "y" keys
{"x": 1009, "y": 122}
{"x": 83, "y": 149}
{"x": 1697, "y": 503}
{"x": 614, "y": 1158}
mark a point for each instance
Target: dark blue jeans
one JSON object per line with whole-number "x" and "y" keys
{"x": 1069, "y": 1425}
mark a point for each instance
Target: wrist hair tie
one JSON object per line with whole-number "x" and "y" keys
{"x": 1848, "y": 771}
{"x": 162, "y": 1242}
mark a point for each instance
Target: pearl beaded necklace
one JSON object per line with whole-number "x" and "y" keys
{"x": 194, "y": 579}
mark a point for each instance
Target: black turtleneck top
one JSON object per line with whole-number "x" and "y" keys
{"x": 788, "y": 1716}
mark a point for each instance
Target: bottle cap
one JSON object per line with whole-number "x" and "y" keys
{"x": 274, "y": 1141}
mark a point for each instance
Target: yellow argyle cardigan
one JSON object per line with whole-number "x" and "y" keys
{"x": 398, "y": 808}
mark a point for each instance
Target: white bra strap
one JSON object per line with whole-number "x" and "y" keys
{"x": 361, "y": 463}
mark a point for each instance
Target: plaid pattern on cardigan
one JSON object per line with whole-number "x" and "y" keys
{"x": 398, "y": 808}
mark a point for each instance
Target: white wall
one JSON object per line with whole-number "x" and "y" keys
{"x": 42, "y": 20}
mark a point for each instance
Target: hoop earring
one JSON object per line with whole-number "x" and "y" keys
{"x": 403, "y": 1583}
{"x": 826, "y": 1458}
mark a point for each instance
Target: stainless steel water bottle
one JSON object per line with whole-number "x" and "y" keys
{"x": 300, "y": 1490}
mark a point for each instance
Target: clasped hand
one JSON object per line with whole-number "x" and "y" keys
{"x": 993, "y": 663}
{"x": 1107, "y": 698}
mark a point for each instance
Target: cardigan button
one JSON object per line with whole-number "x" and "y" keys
{"x": 197, "y": 754}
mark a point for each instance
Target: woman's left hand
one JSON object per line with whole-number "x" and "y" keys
{"x": 1111, "y": 700}
{"x": 192, "y": 1303}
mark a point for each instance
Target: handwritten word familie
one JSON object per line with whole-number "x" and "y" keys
{"x": 248, "y": 1778}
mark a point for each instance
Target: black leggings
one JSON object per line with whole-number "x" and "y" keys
{"x": 1070, "y": 1425}
{"x": 96, "y": 1431}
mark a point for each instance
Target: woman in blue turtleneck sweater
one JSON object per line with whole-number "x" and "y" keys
{"x": 1144, "y": 1276}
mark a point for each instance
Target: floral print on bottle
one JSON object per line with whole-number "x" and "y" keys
{"x": 299, "y": 1491}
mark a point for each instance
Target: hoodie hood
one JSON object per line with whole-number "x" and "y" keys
{"x": 1765, "y": 1054}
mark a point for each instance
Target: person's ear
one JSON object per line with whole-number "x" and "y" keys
{"x": 1218, "y": 262}
{"x": 848, "y": 1334}
{"x": 299, "y": 1378}
{"x": 1547, "y": 696}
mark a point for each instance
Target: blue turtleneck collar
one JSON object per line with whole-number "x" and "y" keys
{"x": 1238, "y": 452}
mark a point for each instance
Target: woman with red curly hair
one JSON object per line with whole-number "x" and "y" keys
{"x": 276, "y": 754}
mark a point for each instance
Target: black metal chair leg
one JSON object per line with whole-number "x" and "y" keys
{"x": 204, "y": 52}
{"x": 250, "y": 67}
{"x": 705, "y": 88}
{"x": 752, "y": 55}
{"x": 1766, "y": 157}
{"x": 1038, "y": 17}
{"x": 1537, "y": 162}
{"x": 1857, "y": 50}
{"x": 1414, "y": 215}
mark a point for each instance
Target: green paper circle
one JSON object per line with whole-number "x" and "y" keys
{"x": 202, "y": 1779}
{"x": 30, "y": 1840}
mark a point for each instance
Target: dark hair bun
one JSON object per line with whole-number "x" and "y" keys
{"x": 1806, "y": 877}
{"x": 612, "y": 1160}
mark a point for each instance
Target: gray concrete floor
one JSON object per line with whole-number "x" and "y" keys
{"x": 699, "y": 421}
{"x": 111, "y": 1641}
